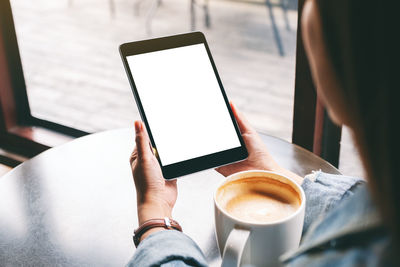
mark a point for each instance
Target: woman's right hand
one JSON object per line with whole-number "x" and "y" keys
{"x": 259, "y": 158}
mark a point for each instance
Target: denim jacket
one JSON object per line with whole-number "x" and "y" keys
{"x": 341, "y": 228}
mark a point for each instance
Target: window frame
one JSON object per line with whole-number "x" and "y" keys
{"x": 20, "y": 131}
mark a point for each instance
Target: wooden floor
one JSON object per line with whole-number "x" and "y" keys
{"x": 75, "y": 76}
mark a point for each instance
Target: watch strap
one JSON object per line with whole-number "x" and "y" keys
{"x": 166, "y": 223}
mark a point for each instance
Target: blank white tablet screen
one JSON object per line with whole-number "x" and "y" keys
{"x": 183, "y": 103}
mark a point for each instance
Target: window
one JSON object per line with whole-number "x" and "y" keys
{"x": 75, "y": 77}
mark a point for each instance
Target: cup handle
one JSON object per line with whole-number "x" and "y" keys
{"x": 234, "y": 247}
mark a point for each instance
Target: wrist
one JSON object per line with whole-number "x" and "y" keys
{"x": 153, "y": 209}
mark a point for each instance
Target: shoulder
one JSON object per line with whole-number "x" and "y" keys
{"x": 324, "y": 192}
{"x": 349, "y": 234}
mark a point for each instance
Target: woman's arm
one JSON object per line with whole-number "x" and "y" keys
{"x": 156, "y": 198}
{"x": 168, "y": 248}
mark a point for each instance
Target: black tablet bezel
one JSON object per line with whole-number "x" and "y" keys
{"x": 192, "y": 165}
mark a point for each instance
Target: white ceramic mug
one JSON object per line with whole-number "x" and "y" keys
{"x": 257, "y": 244}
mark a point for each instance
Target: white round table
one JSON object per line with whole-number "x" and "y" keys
{"x": 75, "y": 205}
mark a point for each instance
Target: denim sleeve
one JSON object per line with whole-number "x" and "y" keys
{"x": 324, "y": 191}
{"x": 168, "y": 249}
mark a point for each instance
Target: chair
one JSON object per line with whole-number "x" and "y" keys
{"x": 194, "y": 5}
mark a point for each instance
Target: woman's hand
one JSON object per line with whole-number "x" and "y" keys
{"x": 155, "y": 196}
{"x": 259, "y": 157}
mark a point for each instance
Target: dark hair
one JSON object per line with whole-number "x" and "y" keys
{"x": 362, "y": 39}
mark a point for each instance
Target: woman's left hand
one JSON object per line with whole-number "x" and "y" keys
{"x": 155, "y": 196}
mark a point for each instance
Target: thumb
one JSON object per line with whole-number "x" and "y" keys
{"x": 244, "y": 125}
{"x": 142, "y": 140}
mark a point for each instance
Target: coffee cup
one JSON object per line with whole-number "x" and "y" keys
{"x": 259, "y": 216}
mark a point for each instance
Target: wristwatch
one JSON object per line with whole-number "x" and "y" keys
{"x": 166, "y": 223}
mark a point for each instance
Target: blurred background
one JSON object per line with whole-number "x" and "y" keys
{"x": 74, "y": 74}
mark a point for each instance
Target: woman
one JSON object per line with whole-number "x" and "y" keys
{"x": 352, "y": 48}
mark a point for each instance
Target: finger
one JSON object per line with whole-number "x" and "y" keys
{"x": 230, "y": 169}
{"x": 244, "y": 125}
{"x": 171, "y": 182}
{"x": 142, "y": 140}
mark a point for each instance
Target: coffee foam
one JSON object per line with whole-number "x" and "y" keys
{"x": 258, "y": 199}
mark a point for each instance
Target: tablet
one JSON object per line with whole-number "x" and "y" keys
{"x": 182, "y": 103}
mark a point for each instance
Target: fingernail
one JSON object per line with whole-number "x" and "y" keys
{"x": 137, "y": 126}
